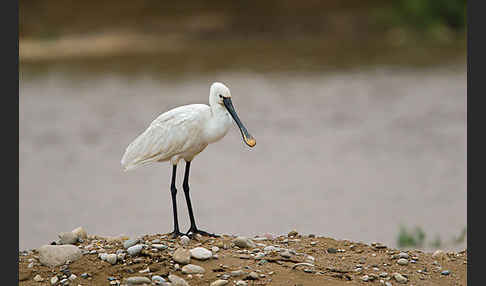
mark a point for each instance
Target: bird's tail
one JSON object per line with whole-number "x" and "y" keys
{"x": 128, "y": 167}
{"x": 127, "y": 162}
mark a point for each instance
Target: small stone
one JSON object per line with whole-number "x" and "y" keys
{"x": 129, "y": 243}
{"x": 80, "y": 233}
{"x": 214, "y": 249}
{"x": 146, "y": 270}
{"x": 134, "y": 250}
{"x": 383, "y": 274}
{"x": 373, "y": 276}
{"x": 67, "y": 238}
{"x": 332, "y": 250}
{"x": 402, "y": 261}
{"x": 160, "y": 246}
{"x": 185, "y": 240}
{"x": 400, "y": 278}
{"x": 177, "y": 281}
{"x": 137, "y": 280}
{"x": 365, "y": 278}
{"x": 111, "y": 258}
{"x": 156, "y": 241}
{"x": 193, "y": 269}
{"x": 237, "y": 273}
{"x": 293, "y": 233}
{"x": 182, "y": 256}
{"x": 268, "y": 236}
{"x": 155, "y": 267}
{"x": 65, "y": 270}
{"x": 219, "y": 282}
{"x": 253, "y": 276}
{"x": 403, "y": 255}
{"x": 30, "y": 265}
{"x": 388, "y": 284}
{"x": 201, "y": 253}
{"x": 438, "y": 254}
{"x": 121, "y": 256}
{"x": 313, "y": 243}
{"x": 241, "y": 283}
{"x": 64, "y": 282}
{"x": 84, "y": 275}
{"x": 244, "y": 242}
{"x": 286, "y": 254}
{"x": 38, "y": 278}
{"x": 225, "y": 276}
{"x": 270, "y": 248}
{"x": 157, "y": 279}
{"x": 445, "y": 272}
{"x": 72, "y": 277}
{"x": 310, "y": 259}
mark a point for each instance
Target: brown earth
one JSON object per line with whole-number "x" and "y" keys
{"x": 335, "y": 263}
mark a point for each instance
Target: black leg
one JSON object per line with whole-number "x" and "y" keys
{"x": 193, "y": 230}
{"x": 173, "y": 192}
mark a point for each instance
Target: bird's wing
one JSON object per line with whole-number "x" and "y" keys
{"x": 169, "y": 134}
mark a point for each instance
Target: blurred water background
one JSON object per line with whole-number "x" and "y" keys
{"x": 358, "y": 110}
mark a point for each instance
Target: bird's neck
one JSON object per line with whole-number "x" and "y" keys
{"x": 218, "y": 110}
{"x": 218, "y": 124}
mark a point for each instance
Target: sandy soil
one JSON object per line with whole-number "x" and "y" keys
{"x": 335, "y": 263}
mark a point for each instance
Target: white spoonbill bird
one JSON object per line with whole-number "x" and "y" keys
{"x": 182, "y": 133}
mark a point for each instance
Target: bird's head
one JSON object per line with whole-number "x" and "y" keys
{"x": 221, "y": 95}
{"x": 218, "y": 92}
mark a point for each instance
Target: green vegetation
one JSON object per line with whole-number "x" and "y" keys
{"x": 413, "y": 238}
{"x": 431, "y": 14}
{"x": 435, "y": 19}
{"x": 416, "y": 238}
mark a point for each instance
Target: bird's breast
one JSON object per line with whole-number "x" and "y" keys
{"x": 217, "y": 127}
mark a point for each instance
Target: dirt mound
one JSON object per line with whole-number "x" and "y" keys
{"x": 292, "y": 259}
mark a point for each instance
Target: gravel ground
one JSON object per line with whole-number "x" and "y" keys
{"x": 290, "y": 259}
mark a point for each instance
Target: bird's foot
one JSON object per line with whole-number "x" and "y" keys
{"x": 194, "y": 231}
{"x": 175, "y": 234}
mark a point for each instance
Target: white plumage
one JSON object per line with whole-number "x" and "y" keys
{"x": 185, "y": 131}
{"x": 182, "y": 133}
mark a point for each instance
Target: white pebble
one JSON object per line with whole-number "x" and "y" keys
{"x": 201, "y": 253}
{"x": 111, "y": 258}
{"x": 185, "y": 240}
{"x": 402, "y": 261}
{"x": 54, "y": 280}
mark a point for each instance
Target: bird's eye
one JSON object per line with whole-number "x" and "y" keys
{"x": 220, "y": 96}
